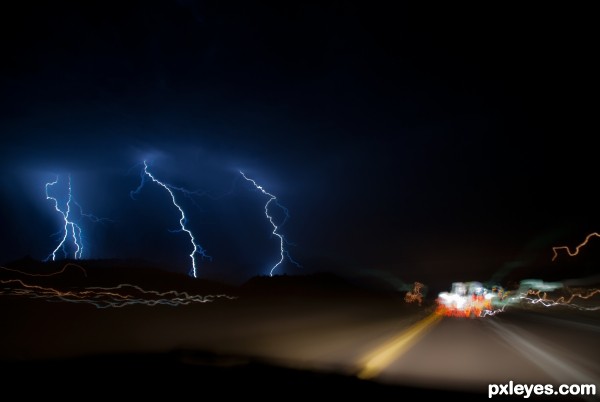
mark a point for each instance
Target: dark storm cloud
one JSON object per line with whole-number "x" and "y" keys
{"x": 418, "y": 146}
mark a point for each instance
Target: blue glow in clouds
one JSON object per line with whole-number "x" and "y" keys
{"x": 282, "y": 242}
{"x": 197, "y": 249}
{"x": 70, "y": 227}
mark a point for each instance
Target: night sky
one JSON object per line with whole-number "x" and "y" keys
{"x": 418, "y": 144}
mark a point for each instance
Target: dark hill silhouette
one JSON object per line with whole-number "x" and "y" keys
{"x": 108, "y": 273}
{"x": 323, "y": 284}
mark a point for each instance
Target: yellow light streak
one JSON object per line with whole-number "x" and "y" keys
{"x": 374, "y": 363}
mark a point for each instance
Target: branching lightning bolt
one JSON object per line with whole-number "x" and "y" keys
{"x": 197, "y": 249}
{"x": 282, "y": 242}
{"x": 69, "y": 227}
{"x": 190, "y": 194}
{"x": 573, "y": 253}
{"x": 91, "y": 217}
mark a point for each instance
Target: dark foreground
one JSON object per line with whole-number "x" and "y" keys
{"x": 287, "y": 337}
{"x": 196, "y": 375}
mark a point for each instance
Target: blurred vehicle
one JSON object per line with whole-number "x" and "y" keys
{"x": 468, "y": 299}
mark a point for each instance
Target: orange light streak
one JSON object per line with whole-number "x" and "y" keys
{"x": 122, "y": 295}
{"x": 415, "y": 295}
{"x": 543, "y": 297}
{"x": 574, "y": 253}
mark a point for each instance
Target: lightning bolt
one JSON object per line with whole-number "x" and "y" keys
{"x": 91, "y": 217}
{"x": 190, "y": 194}
{"x": 69, "y": 226}
{"x": 282, "y": 242}
{"x": 573, "y": 253}
{"x": 196, "y": 248}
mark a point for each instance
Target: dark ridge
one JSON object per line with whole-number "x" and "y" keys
{"x": 108, "y": 273}
{"x": 314, "y": 285}
{"x": 112, "y": 272}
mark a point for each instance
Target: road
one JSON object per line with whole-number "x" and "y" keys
{"x": 527, "y": 347}
{"x": 524, "y": 347}
{"x": 378, "y": 340}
